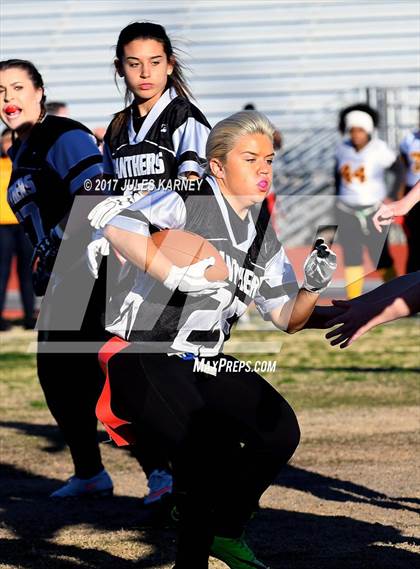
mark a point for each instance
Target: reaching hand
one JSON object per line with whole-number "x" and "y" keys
{"x": 191, "y": 279}
{"x": 319, "y": 267}
{"x": 356, "y": 319}
{"x": 385, "y": 215}
{"x": 387, "y": 212}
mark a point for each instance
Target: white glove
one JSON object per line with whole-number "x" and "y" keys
{"x": 319, "y": 267}
{"x": 191, "y": 279}
{"x": 97, "y": 248}
{"x": 102, "y": 213}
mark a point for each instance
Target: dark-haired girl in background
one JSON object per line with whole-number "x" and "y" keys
{"x": 159, "y": 137}
{"x": 361, "y": 162}
{"x": 52, "y": 159}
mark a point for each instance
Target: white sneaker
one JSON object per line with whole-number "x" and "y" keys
{"x": 160, "y": 483}
{"x": 99, "y": 485}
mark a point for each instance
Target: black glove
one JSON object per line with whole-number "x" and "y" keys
{"x": 43, "y": 260}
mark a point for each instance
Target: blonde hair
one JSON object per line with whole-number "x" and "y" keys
{"x": 225, "y": 134}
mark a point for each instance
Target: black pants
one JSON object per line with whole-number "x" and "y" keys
{"x": 356, "y": 231}
{"x": 13, "y": 241}
{"x": 69, "y": 372}
{"x": 228, "y": 435}
{"x": 72, "y": 381}
{"x": 412, "y": 231}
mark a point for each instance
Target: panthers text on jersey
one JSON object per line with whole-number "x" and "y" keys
{"x": 410, "y": 150}
{"x": 48, "y": 169}
{"x": 361, "y": 174}
{"x": 171, "y": 141}
{"x": 259, "y": 271}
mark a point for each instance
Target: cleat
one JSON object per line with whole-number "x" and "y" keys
{"x": 29, "y": 323}
{"x": 175, "y": 515}
{"x": 160, "y": 485}
{"x": 97, "y": 486}
{"x": 5, "y": 325}
{"x": 235, "y": 553}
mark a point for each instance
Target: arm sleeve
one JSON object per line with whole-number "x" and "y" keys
{"x": 189, "y": 142}
{"x": 161, "y": 210}
{"x": 279, "y": 284}
{"x": 76, "y": 158}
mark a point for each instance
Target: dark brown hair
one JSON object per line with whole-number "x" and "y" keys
{"x": 148, "y": 30}
{"x": 54, "y": 106}
{"x": 33, "y": 73}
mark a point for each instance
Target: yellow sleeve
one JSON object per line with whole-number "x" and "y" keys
{"x": 7, "y": 217}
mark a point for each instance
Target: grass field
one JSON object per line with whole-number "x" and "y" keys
{"x": 349, "y": 498}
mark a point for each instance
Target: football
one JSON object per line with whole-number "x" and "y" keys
{"x": 184, "y": 248}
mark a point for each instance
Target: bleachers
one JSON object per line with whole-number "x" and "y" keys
{"x": 292, "y": 59}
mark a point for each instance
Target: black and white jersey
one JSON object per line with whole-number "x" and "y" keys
{"x": 48, "y": 169}
{"x": 410, "y": 150}
{"x": 170, "y": 142}
{"x": 258, "y": 270}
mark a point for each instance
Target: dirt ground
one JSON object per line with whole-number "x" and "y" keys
{"x": 349, "y": 499}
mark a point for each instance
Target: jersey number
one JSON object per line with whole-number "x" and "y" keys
{"x": 415, "y": 156}
{"x": 350, "y": 175}
{"x": 206, "y": 321}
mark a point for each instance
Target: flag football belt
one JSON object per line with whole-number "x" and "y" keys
{"x": 362, "y": 213}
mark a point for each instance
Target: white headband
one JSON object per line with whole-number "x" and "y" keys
{"x": 359, "y": 119}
